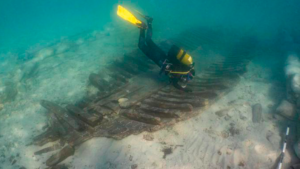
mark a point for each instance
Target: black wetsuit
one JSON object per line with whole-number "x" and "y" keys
{"x": 152, "y": 51}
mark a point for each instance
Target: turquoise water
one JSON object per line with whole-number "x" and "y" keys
{"x": 28, "y": 23}
{"x": 68, "y": 52}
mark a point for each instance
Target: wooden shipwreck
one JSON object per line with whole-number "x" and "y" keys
{"x": 147, "y": 107}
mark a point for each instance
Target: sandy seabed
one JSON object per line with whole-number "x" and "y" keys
{"x": 223, "y": 136}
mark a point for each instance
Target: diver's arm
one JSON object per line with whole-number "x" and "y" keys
{"x": 193, "y": 72}
{"x": 176, "y": 85}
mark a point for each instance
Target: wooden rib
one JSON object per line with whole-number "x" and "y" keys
{"x": 166, "y": 93}
{"x": 117, "y": 69}
{"x": 166, "y": 112}
{"x": 127, "y": 67}
{"x": 174, "y": 93}
{"x": 212, "y": 87}
{"x": 60, "y": 127}
{"x": 48, "y": 136}
{"x": 90, "y": 119}
{"x": 60, "y": 156}
{"x": 97, "y": 81}
{"x": 48, "y": 149}
{"x": 181, "y": 107}
{"x": 141, "y": 117}
{"x": 62, "y": 115}
{"x": 119, "y": 77}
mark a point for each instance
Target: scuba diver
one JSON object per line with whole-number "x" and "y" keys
{"x": 177, "y": 64}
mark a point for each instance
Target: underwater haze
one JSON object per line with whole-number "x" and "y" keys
{"x": 28, "y": 23}
{"x": 79, "y": 90}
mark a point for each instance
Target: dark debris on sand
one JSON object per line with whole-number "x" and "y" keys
{"x": 167, "y": 151}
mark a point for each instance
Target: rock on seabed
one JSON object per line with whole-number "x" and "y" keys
{"x": 286, "y": 109}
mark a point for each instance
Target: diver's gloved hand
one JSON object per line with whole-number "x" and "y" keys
{"x": 177, "y": 86}
{"x": 184, "y": 89}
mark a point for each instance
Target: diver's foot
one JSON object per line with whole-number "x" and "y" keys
{"x": 149, "y": 19}
{"x": 142, "y": 25}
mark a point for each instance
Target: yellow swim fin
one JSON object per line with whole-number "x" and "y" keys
{"x": 128, "y": 16}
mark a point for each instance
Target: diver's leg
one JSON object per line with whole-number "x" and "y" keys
{"x": 149, "y": 31}
{"x": 158, "y": 55}
{"x": 145, "y": 40}
{"x": 148, "y": 47}
{"x": 142, "y": 41}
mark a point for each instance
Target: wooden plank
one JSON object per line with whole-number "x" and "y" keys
{"x": 91, "y": 119}
{"x": 142, "y": 117}
{"x": 48, "y": 149}
{"x": 60, "y": 156}
{"x": 62, "y": 115}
